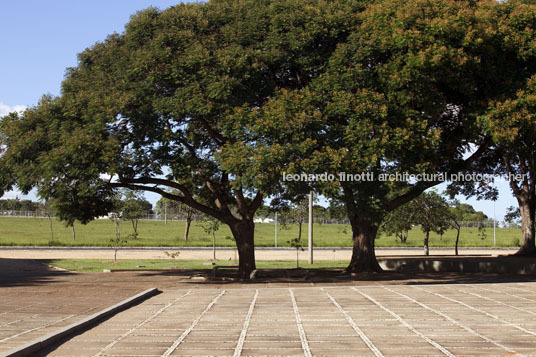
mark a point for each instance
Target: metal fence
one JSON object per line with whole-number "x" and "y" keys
{"x": 260, "y": 219}
{"x": 147, "y": 216}
{"x": 28, "y": 214}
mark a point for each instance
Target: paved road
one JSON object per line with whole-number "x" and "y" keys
{"x": 378, "y": 320}
{"x": 225, "y": 254}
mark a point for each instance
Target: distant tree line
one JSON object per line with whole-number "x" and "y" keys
{"x": 432, "y": 213}
{"x": 15, "y": 204}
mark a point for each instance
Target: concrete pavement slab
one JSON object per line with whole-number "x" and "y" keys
{"x": 384, "y": 320}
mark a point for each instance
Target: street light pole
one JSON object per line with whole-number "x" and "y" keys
{"x": 310, "y": 240}
{"x": 494, "y": 227}
{"x": 276, "y": 229}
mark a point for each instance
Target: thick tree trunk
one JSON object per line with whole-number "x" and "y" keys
{"x": 528, "y": 246}
{"x": 187, "y": 229}
{"x": 426, "y": 238}
{"x": 243, "y": 232}
{"x": 363, "y": 254}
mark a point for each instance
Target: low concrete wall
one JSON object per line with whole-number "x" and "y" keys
{"x": 499, "y": 265}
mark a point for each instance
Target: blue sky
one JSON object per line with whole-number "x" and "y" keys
{"x": 40, "y": 39}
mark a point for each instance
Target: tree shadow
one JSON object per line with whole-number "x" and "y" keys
{"x": 24, "y": 272}
{"x": 335, "y": 277}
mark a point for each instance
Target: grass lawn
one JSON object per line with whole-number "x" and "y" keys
{"x": 97, "y": 265}
{"x": 36, "y": 232}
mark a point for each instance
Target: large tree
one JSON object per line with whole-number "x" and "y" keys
{"x": 509, "y": 118}
{"x": 512, "y": 125}
{"x": 166, "y": 105}
{"x": 402, "y": 95}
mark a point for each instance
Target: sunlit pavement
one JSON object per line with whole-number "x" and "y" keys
{"x": 418, "y": 320}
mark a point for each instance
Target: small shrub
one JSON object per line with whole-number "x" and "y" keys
{"x": 172, "y": 255}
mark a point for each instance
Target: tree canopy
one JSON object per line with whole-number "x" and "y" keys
{"x": 402, "y": 95}
{"x": 209, "y": 103}
{"x": 168, "y": 105}
{"x": 512, "y": 125}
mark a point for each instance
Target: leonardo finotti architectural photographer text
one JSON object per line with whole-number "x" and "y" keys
{"x": 404, "y": 176}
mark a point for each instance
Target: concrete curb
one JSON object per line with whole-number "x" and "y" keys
{"x": 457, "y": 265}
{"x": 42, "y": 342}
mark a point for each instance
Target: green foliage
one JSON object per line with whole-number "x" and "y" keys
{"x": 431, "y": 212}
{"x": 118, "y": 241}
{"x": 16, "y": 204}
{"x": 172, "y": 103}
{"x": 293, "y": 213}
{"x": 512, "y": 126}
{"x": 133, "y": 207}
{"x": 337, "y": 210}
{"x": 216, "y": 100}
{"x": 296, "y": 243}
{"x": 401, "y": 95}
{"x": 210, "y": 226}
{"x": 174, "y": 209}
{"x": 172, "y": 255}
{"x": 512, "y": 216}
{"x": 399, "y": 222}
{"x": 482, "y": 232}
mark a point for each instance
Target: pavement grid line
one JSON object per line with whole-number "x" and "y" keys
{"x": 27, "y": 318}
{"x": 242, "y": 338}
{"x": 506, "y": 293}
{"x": 20, "y": 320}
{"x": 496, "y": 301}
{"x": 303, "y": 337}
{"x": 49, "y": 310}
{"x": 20, "y": 308}
{"x": 150, "y": 318}
{"x": 405, "y": 323}
{"x": 176, "y": 344}
{"x": 356, "y": 328}
{"x": 515, "y": 288}
{"x": 463, "y": 319}
{"x": 495, "y": 317}
{"x": 43, "y": 326}
{"x": 525, "y": 290}
{"x": 452, "y": 320}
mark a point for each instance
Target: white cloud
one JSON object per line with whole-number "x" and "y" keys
{"x": 6, "y": 109}
{"x": 32, "y": 195}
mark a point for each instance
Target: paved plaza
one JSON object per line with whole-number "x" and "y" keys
{"x": 390, "y": 314}
{"x": 376, "y": 320}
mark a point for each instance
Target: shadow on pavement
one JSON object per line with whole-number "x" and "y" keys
{"x": 326, "y": 277}
{"x": 24, "y": 272}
